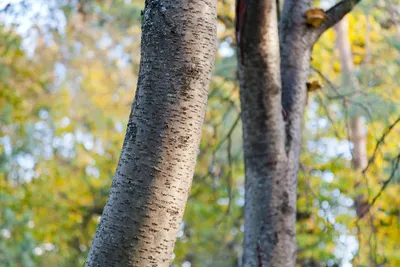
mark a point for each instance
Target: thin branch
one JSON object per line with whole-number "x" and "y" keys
{"x": 227, "y": 136}
{"x": 326, "y": 79}
{"x": 337, "y": 12}
{"x": 229, "y": 176}
{"x": 344, "y": 103}
{"x": 308, "y": 178}
{"x": 379, "y": 143}
{"x": 385, "y": 184}
{"x": 328, "y": 115}
{"x": 334, "y": 15}
{"x": 347, "y": 124}
{"x": 344, "y": 97}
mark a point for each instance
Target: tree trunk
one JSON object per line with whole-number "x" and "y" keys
{"x": 263, "y": 136}
{"x": 150, "y": 188}
{"x": 273, "y": 74}
{"x": 271, "y": 152}
{"x": 357, "y": 135}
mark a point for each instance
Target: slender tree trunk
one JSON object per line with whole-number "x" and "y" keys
{"x": 273, "y": 74}
{"x": 357, "y": 135}
{"x": 266, "y": 199}
{"x": 150, "y": 188}
{"x": 357, "y": 126}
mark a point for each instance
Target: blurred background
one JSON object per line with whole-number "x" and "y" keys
{"x": 68, "y": 72}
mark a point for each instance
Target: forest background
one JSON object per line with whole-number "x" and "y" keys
{"x": 68, "y": 72}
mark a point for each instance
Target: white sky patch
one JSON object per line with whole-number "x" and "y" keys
{"x": 92, "y": 171}
{"x": 223, "y": 201}
{"x": 85, "y": 138}
{"x": 225, "y": 50}
{"x": 38, "y": 251}
{"x": 65, "y": 121}
{"x": 6, "y": 233}
{"x": 60, "y": 73}
{"x": 31, "y": 224}
{"x": 48, "y": 246}
{"x": 330, "y": 148}
{"x": 98, "y": 147}
{"x": 43, "y": 114}
{"x": 346, "y": 247}
{"x": 328, "y": 177}
{"x": 6, "y": 143}
{"x": 326, "y": 4}
{"x": 43, "y": 14}
{"x": 26, "y": 161}
{"x": 119, "y": 127}
{"x": 104, "y": 42}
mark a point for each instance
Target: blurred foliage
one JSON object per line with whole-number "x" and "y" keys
{"x": 65, "y": 97}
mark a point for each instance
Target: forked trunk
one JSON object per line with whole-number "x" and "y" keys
{"x": 273, "y": 74}
{"x": 271, "y": 144}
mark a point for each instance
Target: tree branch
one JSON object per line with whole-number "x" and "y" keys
{"x": 396, "y": 164}
{"x": 334, "y": 15}
{"x": 379, "y": 143}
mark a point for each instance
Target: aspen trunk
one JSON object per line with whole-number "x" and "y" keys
{"x": 150, "y": 188}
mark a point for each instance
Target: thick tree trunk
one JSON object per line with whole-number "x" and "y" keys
{"x": 273, "y": 73}
{"x": 357, "y": 134}
{"x": 150, "y": 188}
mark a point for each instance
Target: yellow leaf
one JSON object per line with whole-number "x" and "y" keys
{"x": 315, "y": 17}
{"x": 313, "y": 86}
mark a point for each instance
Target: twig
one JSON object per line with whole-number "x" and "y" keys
{"x": 233, "y": 127}
{"x": 335, "y": 130}
{"x": 385, "y": 184}
{"x": 229, "y": 177}
{"x": 379, "y": 143}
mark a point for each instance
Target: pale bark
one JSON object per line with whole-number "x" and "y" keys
{"x": 150, "y": 188}
{"x": 357, "y": 134}
{"x": 272, "y": 146}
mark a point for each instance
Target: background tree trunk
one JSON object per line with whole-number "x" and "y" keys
{"x": 357, "y": 126}
{"x": 150, "y": 188}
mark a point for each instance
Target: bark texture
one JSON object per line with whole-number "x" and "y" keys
{"x": 273, "y": 74}
{"x": 266, "y": 198}
{"x": 296, "y": 47}
{"x": 150, "y": 188}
